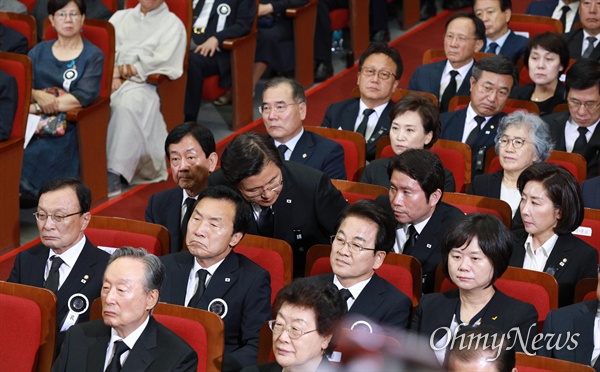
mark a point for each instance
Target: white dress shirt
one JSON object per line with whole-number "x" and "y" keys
{"x": 129, "y": 341}
{"x": 571, "y": 134}
{"x": 462, "y": 72}
{"x": 192, "y": 284}
{"x": 373, "y": 118}
{"x": 69, "y": 258}
{"x": 355, "y": 290}
{"x": 537, "y": 260}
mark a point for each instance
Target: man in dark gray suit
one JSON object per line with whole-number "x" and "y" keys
{"x": 584, "y": 42}
{"x": 283, "y": 108}
{"x": 127, "y": 337}
{"x": 190, "y": 148}
{"x": 364, "y": 236}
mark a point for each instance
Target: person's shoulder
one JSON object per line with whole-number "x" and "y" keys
{"x": 91, "y": 49}
{"x": 321, "y": 140}
{"x": 174, "y": 191}
{"x": 573, "y": 34}
{"x": 446, "y": 116}
{"x": 301, "y": 172}
{"x": 556, "y": 118}
{"x": 176, "y": 258}
{"x": 248, "y": 265}
{"x": 450, "y": 210}
{"x": 34, "y": 251}
{"x": 436, "y": 298}
{"x": 517, "y": 306}
{"x": 567, "y": 312}
{"x": 171, "y": 340}
{"x": 344, "y": 103}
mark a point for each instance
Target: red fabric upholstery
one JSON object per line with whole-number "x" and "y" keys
{"x": 353, "y": 197}
{"x": 532, "y": 28}
{"x": 268, "y": 260}
{"x": 350, "y": 157}
{"x": 20, "y": 327}
{"x": 592, "y": 239}
{"x": 321, "y": 266}
{"x": 19, "y": 72}
{"x": 211, "y": 89}
{"x": 474, "y": 209}
{"x": 495, "y": 166}
{"x": 191, "y": 331}
{"x": 339, "y": 19}
{"x": 24, "y": 24}
{"x": 454, "y": 161}
{"x": 590, "y": 296}
{"x": 118, "y": 239}
{"x": 387, "y": 152}
{"x": 400, "y": 277}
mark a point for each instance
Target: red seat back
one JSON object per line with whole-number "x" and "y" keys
{"x": 388, "y": 152}
{"x": 20, "y": 328}
{"x": 23, "y": 23}
{"x": 19, "y": 66}
{"x": 339, "y": 19}
{"x": 191, "y": 331}
{"x": 454, "y": 161}
{"x": 589, "y": 231}
{"x": 118, "y": 239}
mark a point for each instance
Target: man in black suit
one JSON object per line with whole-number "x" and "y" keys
{"x": 577, "y": 130}
{"x": 127, "y": 337}
{"x": 66, "y": 262}
{"x": 283, "y": 108}
{"x": 290, "y": 201}
{"x": 379, "y": 70}
{"x": 211, "y": 276}
{"x": 477, "y": 124}
{"x": 584, "y": 42}
{"x": 12, "y": 41}
{"x": 9, "y": 97}
{"x": 225, "y": 19}
{"x": 190, "y": 148}
{"x": 499, "y": 39}
{"x": 590, "y": 189}
{"x": 576, "y": 328}
{"x": 416, "y": 184}
{"x": 465, "y": 35}
{"x": 567, "y": 11}
{"x": 365, "y": 234}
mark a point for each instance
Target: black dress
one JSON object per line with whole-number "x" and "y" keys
{"x": 524, "y": 92}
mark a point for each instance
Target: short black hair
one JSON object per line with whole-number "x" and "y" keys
{"x": 201, "y": 134}
{"x": 422, "y": 166}
{"x": 498, "y": 65}
{"x": 383, "y": 48}
{"x": 54, "y": 5}
{"x": 246, "y": 156}
{"x": 584, "y": 74}
{"x": 504, "y": 4}
{"x": 320, "y": 296}
{"x": 368, "y": 209}
{"x": 243, "y": 214}
{"x": 298, "y": 94}
{"x": 553, "y": 43}
{"x": 492, "y": 237}
{"x": 84, "y": 195}
{"x": 427, "y": 111}
{"x": 562, "y": 189}
{"x": 478, "y": 23}
{"x": 475, "y": 343}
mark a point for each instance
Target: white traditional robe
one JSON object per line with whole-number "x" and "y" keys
{"x": 153, "y": 43}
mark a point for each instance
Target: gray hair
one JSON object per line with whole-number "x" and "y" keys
{"x": 538, "y": 131}
{"x": 155, "y": 270}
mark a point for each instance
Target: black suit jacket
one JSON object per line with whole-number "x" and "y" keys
{"x": 305, "y": 211}
{"x": 575, "y": 40}
{"x": 513, "y": 48}
{"x": 525, "y": 92}
{"x": 158, "y": 349}
{"x": 380, "y": 302}
{"x": 545, "y": 8}
{"x": 12, "y": 41}
{"x": 571, "y": 259}
{"x": 489, "y": 185}
{"x": 245, "y": 288}
{"x": 591, "y": 193}
{"x": 426, "y": 78}
{"x": 427, "y": 247}
{"x": 342, "y": 115}
{"x": 164, "y": 208}
{"x": 563, "y": 323}
{"x": 557, "y": 123}
{"x": 436, "y": 311}
{"x": 85, "y": 277}
{"x": 375, "y": 173}
{"x": 453, "y": 126}
{"x": 9, "y": 97}
{"x": 320, "y": 153}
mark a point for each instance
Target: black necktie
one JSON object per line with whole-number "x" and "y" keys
{"x": 282, "y": 149}
{"x": 202, "y": 274}
{"x": 588, "y": 52}
{"x": 413, "y": 235}
{"x": 189, "y": 202}
{"x": 53, "y": 275}
{"x": 197, "y": 10}
{"x": 581, "y": 141}
{"x": 266, "y": 222}
{"x": 492, "y": 48}
{"x": 345, "y": 295}
{"x": 473, "y": 135}
{"x": 563, "y": 17}
{"x": 362, "y": 128}
{"x": 449, "y": 92}
{"x": 115, "y": 362}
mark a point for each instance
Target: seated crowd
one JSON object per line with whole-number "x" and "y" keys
{"x": 279, "y": 185}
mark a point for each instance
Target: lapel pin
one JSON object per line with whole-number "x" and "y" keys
{"x": 304, "y": 156}
{"x": 227, "y": 280}
{"x": 487, "y": 131}
{"x": 428, "y": 245}
{"x": 495, "y": 317}
{"x": 564, "y": 261}
{"x": 492, "y": 127}
{"x": 289, "y": 201}
{"x": 85, "y": 278}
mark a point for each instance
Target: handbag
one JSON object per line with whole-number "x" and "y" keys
{"x": 53, "y": 125}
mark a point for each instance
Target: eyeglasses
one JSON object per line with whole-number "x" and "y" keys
{"x": 273, "y": 186}
{"x": 488, "y": 90}
{"x": 516, "y": 142}
{"x": 339, "y": 242}
{"x": 62, "y": 16}
{"x": 382, "y": 74}
{"x": 280, "y": 107}
{"x": 576, "y": 104}
{"x": 460, "y": 38}
{"x": 293, "y": 332}
{"x": 43, "y": 216}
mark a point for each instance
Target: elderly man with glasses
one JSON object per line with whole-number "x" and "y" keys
{"x": 379, "y": 71}
{"x": 66, "y": 262}
{"x": 290, "y": 201}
